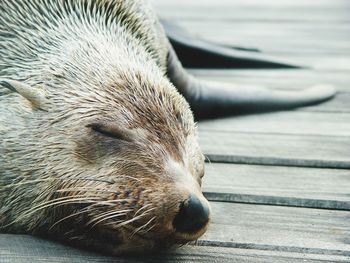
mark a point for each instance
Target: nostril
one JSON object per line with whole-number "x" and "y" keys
{"x": 193, "y": 215}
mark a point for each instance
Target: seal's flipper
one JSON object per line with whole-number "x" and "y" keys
{"x": 196, "y": 53}
{"x": 219, "y": 99}
{"x": 210, "y": 99}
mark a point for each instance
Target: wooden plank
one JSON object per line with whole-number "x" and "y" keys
{"x": 279, "y": 79}
{"x": 310, "y": 35}
{"x": 276, "y": 149}
{"x": 317, "y": 45}
{"x": 269, "y": 32}
{"x": 260, "y": 3}
{"x": 276, "y": 185}
{"x": 295, "y": 47}
{"x": 290, "y": 11}
{"x": 288, "y": 122}
{"x": 19, "y": 248}
{"x": 280, "y": 228}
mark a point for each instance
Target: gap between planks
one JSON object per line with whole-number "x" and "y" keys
{"x": 280, "y": 228}
{"x": 278, "y": 185}
{"x": 276, "y": 149}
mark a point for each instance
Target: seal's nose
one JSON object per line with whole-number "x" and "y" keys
{"x": 193, "y": 215}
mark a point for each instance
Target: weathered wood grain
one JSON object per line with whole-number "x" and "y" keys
{"x": 24, "y": 249}
{"x": 273, "y": 37}
{"x": 280, "y": 228}
{"x": 276, "y": 185}
{"x": 278, "y": 79}
{"x": 276, "y": 149}
{"x": 288, "y": 122}
{"x": 310, "y": 34}
{"x": 253, "y": 10}
{"x": 302, "y": 43}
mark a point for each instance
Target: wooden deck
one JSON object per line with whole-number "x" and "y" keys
{"x": 279, "y": 183}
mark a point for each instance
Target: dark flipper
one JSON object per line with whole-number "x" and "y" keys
{"x": 196, "y": 53}
{"x": 210, "y": 99}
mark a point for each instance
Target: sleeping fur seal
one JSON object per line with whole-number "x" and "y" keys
{"x": 98, "y": 143}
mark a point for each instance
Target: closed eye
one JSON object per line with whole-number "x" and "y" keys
{"x": 112, "y": 130}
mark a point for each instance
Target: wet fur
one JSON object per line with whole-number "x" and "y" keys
{"x": 95, "y": 61}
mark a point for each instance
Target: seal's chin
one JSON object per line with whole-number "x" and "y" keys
{"x": 127, "y": 242}
{"x": 121, "y": 242}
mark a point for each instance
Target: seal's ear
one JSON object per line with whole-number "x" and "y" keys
{"x": 34, "y": 95}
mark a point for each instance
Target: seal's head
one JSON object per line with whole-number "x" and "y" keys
{"x": 135, "y": 167}
{"x": 117, "y": 165}
{"x": 100, "y": 149}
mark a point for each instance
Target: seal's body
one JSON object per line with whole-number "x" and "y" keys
{"x": 98, "y": 147}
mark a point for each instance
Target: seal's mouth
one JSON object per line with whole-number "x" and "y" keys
{"x": 185, "y": 237}
{"x": 126, "y": 241}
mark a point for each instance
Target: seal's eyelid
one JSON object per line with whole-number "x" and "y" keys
{"x": 112, "y": 130}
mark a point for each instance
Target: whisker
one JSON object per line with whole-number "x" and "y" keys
{"x": 207, "y": 158}
{"x": 24, "y": 182}
{"x": 149, "y": 229}
{"x": 130, "y": 177}
{"x": 54, "y": 202}
{"x": 132, "y": 219}
{"x": 143, "y": 207}
{"x": 67, "y": 217}
{"x": 110, "y": 215}
{"x": 123, "y": 223}
{"x": 110, "y": 202}
{"x": 143, "y": 226}
{"x": 85, "y": 189}
{"x": 86, "y": 179}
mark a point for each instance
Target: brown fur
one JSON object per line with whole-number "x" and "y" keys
{"x": 97, "y": 146}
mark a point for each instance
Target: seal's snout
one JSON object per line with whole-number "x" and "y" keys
{"x": 194, "y": 214}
